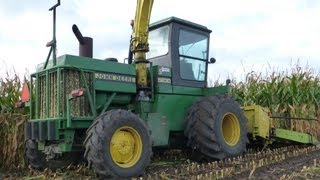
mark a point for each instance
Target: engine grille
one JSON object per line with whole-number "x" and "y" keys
{"x": 69, "y": 80}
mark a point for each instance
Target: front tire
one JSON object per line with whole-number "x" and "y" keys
{"x": 118, "y": 145}
{"x": 36, "y": 159}
{"x": 216, "y": 128}
{"x": 33, "y": 156}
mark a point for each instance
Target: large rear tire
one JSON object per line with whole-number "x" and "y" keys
{"x": 118, "y": 145}
{"x": 216, "y": 128}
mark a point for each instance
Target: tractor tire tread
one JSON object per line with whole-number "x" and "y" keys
{"x": 96, "y": 151}
{"x": 201, "y": 128}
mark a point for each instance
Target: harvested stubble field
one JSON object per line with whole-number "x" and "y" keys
{"x": 281, "y": 163}
{"x": 291, "y": 93}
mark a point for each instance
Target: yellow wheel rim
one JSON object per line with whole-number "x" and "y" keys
{"x": 231, "y": 129}
{"x": 126, "y": 147}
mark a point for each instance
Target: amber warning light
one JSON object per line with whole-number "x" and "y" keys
{"x": 24, "y": 97}
{"x": 25, "y": 94}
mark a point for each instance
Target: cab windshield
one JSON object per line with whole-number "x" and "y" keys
{"x": 158, "y": 42}
{"x": 193, "y": 54}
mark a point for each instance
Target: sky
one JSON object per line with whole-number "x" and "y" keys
{"x": 247, "y": 35}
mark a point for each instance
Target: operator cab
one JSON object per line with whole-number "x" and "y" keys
{"x": 182, "y": 46}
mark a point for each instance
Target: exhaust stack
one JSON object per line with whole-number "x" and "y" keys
{"x": 85, "y": 43}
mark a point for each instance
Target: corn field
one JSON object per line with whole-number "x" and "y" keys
{"x": 294, "y": 93}
{"x": 9, "y": 93}
{"x": 11, "y": 123}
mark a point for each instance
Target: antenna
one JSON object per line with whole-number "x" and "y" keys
{"x": 53, "y": 42}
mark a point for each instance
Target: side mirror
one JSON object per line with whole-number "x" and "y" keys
{"x": 212, "y": 60}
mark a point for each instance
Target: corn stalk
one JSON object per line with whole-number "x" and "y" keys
{"x": 11, "y": 124}
{"x": 12, "y": 141}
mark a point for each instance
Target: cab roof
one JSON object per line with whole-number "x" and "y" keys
{"x": 179, "y": 21}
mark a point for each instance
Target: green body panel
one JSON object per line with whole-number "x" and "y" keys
{"x": 174, "y": 107}
{"x": 162, "y": 80}
{"x": 181, "y": 90}
{"x": 96, "y": 65}
{"x": 304, "y": 138}
{"x": 159, "y": 127}
{"x": 162, "y": 71}
{"x": 164, "y": 88}
{"x": 216, "y": 90}
{"x": 114, "y": 87}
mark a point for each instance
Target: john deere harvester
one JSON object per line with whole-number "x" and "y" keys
{"x": 114, "y": 114}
